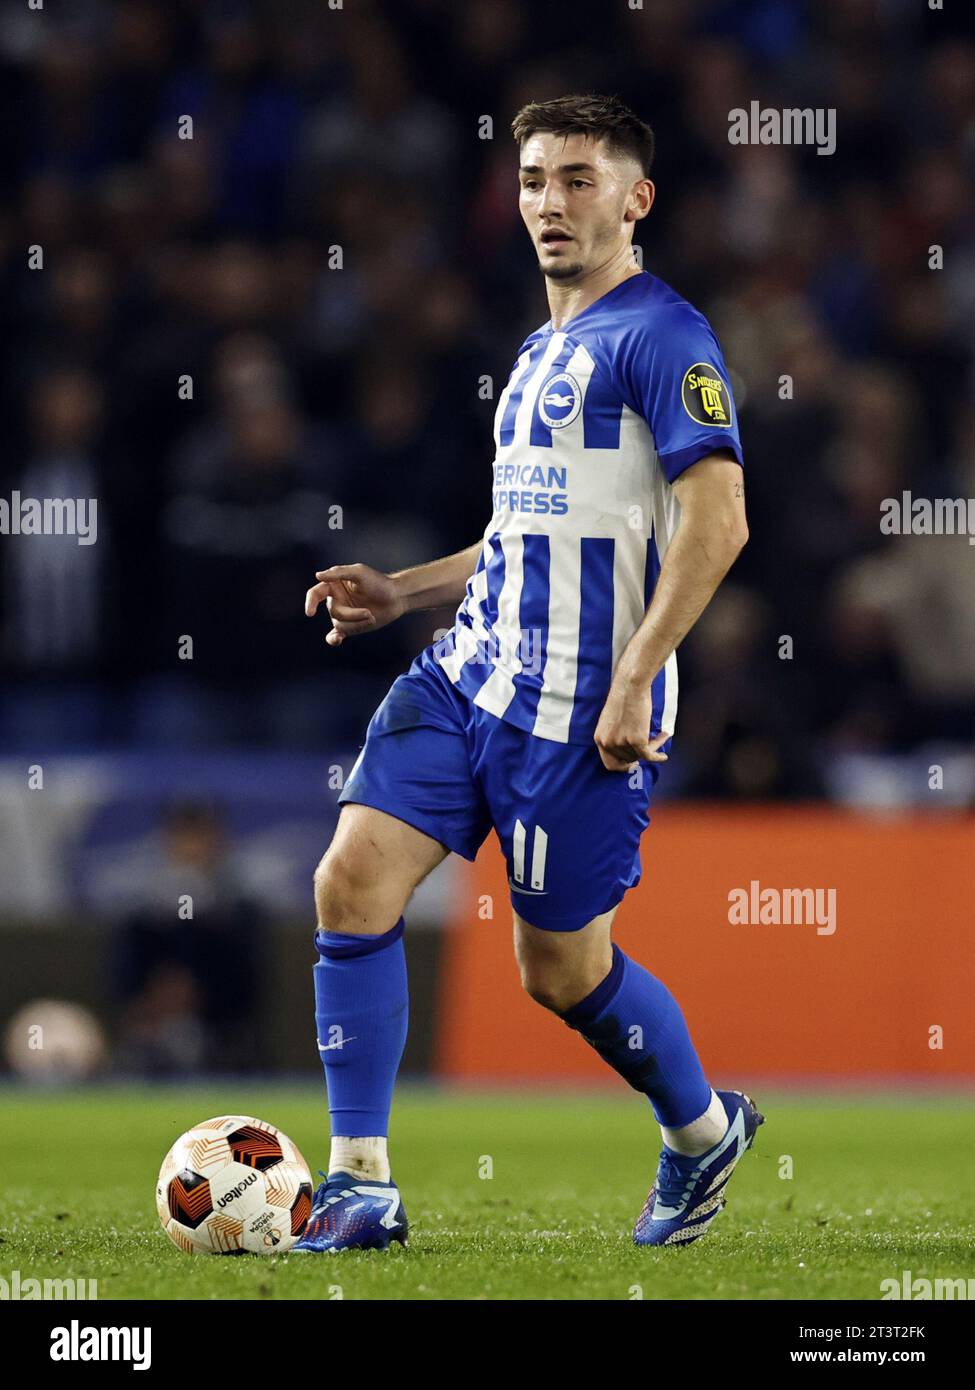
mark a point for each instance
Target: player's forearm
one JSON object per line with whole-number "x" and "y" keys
{"x": 439, "y": 582}
{"x": 695, "y": 564}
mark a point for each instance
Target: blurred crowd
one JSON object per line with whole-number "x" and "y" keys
{"x": 262, "y": 349}
{"x": 185, "y": 959}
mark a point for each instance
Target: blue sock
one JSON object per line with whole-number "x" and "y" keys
{"x": 635, "y": 1024}
{"x": 362, "y": 1011}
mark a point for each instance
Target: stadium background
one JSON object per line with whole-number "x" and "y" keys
{"x": 336, "y": 260}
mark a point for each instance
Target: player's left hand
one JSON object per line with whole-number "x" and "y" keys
{"x": 621, "y": 734}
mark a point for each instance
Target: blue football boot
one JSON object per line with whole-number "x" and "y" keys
{"x": 348, "y": 1213}
{"x": 689, "y": 1192}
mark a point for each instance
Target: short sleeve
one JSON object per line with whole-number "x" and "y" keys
{"x": 674, "y": 376}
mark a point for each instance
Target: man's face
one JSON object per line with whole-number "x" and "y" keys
{"x": 578, "y": 200}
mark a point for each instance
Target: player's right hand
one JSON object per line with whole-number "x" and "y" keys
{"x": 358, "y": 598}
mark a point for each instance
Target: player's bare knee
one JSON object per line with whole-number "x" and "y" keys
{"x": 323, "y": 884}
{"x": 547, "y": 985}
{"x": 342, "y": 894}
{"x": 559, "y": 969}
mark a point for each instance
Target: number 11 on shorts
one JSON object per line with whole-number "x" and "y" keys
{"x": 539, "y": 850}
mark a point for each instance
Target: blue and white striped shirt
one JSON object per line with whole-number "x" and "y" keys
{"x": 596, "y": 422}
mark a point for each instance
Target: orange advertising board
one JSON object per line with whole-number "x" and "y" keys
{"x": 879, "y": 989}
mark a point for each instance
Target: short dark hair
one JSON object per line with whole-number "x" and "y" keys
{"x": 601, "y": 117}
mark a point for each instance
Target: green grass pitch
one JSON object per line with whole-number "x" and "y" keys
{"x": 880, "y": 1185}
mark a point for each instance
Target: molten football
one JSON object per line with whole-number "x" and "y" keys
{"x": 232, "y": 1185}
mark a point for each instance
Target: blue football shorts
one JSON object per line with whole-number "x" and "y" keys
{"x": 568, "y": 827}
